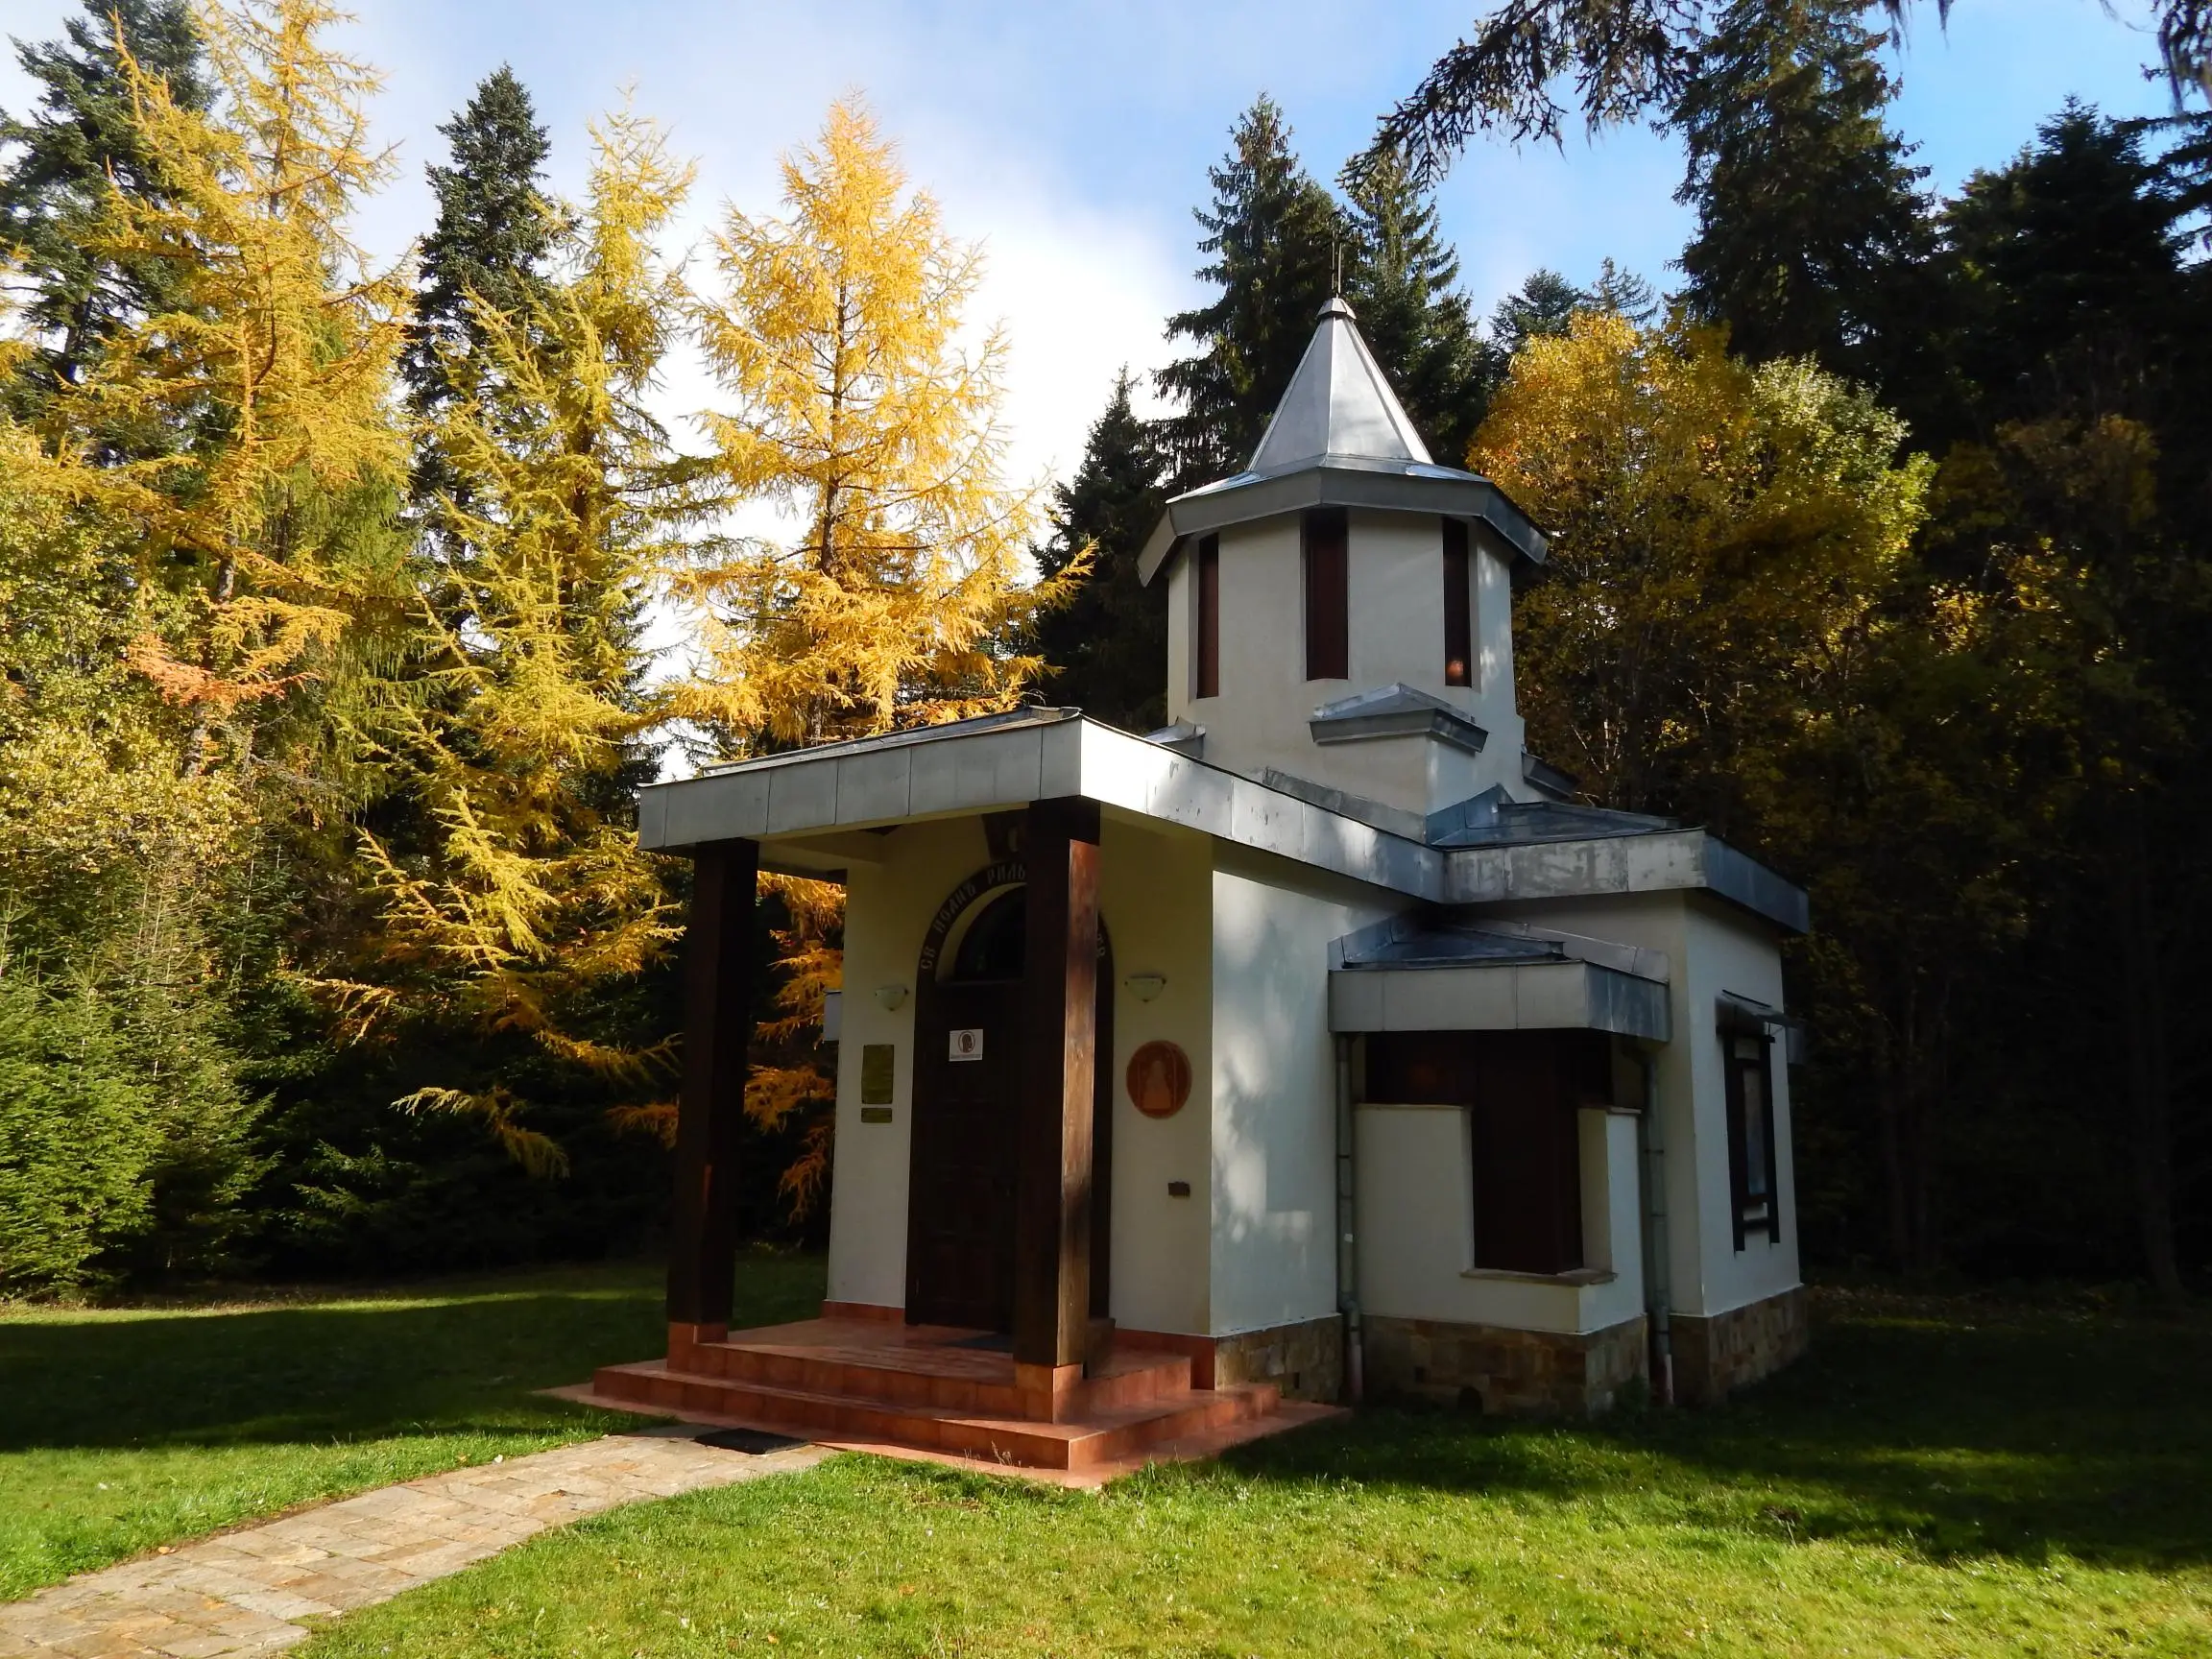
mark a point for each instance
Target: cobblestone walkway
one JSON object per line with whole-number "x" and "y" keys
{"x": 245, "y": 1592}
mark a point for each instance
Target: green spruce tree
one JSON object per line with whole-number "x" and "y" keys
{"x": 1274, "y": 236}
{"x": 1402, "y": 280}
{"x": 1812, "y": 233}
{"x": 1110, "y": 642}
{"x": 1539, "y": 309}
{"x": 62, "y": 162}
{"x": 496, "y": 229}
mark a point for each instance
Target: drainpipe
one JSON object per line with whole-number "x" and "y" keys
{"x": 1657, "y": 1289}
{"x": 1347, "y": 1234}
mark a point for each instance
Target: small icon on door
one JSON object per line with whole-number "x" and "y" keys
{"x": 967, "y": 1043}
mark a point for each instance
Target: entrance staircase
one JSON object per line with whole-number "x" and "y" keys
{"x": 943, "y": 1391}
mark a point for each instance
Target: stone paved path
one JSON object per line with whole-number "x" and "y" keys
{"x": 245, "y": 1592}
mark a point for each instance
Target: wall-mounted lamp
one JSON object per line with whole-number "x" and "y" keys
{"x": 1145, "y": 986}
{"x": 890, "y": 998}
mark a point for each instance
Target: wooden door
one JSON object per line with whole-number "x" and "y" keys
{"x": 960, "y": 1204}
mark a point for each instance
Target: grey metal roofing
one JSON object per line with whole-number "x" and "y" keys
{"x": 1339, "y": 438}
{"x": 1395, "y": 711}
{"x": 900, "y": 739}
{"x": 1339, "y": 403}
{"x": 1491, "y": 819}
{"x": 799, "y": 804}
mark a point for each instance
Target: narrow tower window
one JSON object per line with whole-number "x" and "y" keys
{"x": 1458, "y": 607}
{"x": 1210, "y": 618}
{"x": 1328, "y": 646}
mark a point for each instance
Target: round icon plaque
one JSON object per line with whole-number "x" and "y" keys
{"x": 1159, "y": 1079}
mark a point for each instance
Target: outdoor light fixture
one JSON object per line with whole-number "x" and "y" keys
{"x": 1145, "y": 986}
{"x": 890, "y": 998}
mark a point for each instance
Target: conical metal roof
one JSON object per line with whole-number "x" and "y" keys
{"x": 1338, "y": 404}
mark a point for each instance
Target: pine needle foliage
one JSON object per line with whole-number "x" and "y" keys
{"x": 524, "y": 728}
{"x": 855, "y": 413}
{"x": 272, "y": 368}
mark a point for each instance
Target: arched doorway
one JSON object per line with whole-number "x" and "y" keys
{"x": 967, "y": 1068}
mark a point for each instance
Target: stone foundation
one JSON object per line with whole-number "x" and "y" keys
{"x": 1304, "y": 1360}
{"x": 1717, "y": 1353}
{"x": 1510, "y": 1371}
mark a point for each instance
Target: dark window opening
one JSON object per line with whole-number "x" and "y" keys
{"x": 997, "y": 943}
{"x": 1210, "y": 618}
{"x": 1747, "y": 1058}
{"x": 1328, "y": 596}
{"x": 1458, "y": 607}
{"x": 1523, "y": 1091}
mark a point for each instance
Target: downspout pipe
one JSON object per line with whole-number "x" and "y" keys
{"x": 1347, "y": 1229}
{"x": 1658, "y": 1290}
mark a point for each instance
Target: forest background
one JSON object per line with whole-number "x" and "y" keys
{"x": 333, "y": 598}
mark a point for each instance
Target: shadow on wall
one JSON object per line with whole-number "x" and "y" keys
{"x": 436, "y": 1359}
{"x": 1967, "y": 1431}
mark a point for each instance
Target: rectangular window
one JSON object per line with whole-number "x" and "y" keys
{"x": 1327, "y": 600}
{"x": 1755, "y": 1192}
{"x": 1210, "y": 616}
{"x": 1458, "y": 607}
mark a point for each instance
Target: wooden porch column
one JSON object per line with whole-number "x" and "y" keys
{"x": 718, "y": 963}
{"x": 1052, "y": 1188}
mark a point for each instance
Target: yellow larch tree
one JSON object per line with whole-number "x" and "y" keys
{"x": 243, "y": 441}
{"x": 524, "y": 725}
{"x": 898, "y": 594}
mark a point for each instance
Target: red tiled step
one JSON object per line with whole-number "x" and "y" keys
{"x": 926, "y": 1369}
{"x": 1098, "y": 1435}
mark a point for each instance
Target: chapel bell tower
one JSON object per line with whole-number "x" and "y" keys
{"x": 1340, "y": 614}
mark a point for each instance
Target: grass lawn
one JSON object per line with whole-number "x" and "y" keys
{"x": 1950, "y": 1479}
{"x": 124, "y": 1430}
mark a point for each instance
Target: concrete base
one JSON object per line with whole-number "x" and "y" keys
{"x": 1720, "y": 1351}
{"x": 1510, "y": 1371}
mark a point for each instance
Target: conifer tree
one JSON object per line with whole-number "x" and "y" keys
{"x": 1811, "y": 233}
{"x": 853, "y": 408}
{"x": 1539, "y": 309}
{"x": 1402, "y": 282}
{"x": 1275, "y": 237}
{"x": 82, "y": 144}
{"x": 487, "y": 248}
{"x": 1108, "y": 644}
{"x": 524, "y": 731}
{"x": 270, "y": 526}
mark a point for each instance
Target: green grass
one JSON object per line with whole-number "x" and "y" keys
{"x": 1938, "y": 1479}
{"x": 128, "y": 1429}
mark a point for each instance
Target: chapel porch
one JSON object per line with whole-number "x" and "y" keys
{"x": 948, "y": 1394}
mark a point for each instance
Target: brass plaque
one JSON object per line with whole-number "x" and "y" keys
{"x": 876, "y": 1068}
{"x": 874, "y": 1114}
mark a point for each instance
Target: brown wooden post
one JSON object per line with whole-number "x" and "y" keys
{"x": 1052, "y": 1188}
{"x": 717, "y": 1031}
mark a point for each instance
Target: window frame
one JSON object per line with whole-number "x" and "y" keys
{"x": 1750, "y": 1214}
{"x": 1206, "y": 603}
{"x": 1458, "y": 606}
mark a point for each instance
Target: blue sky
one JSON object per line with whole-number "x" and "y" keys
{"x": 1072, "y": 139}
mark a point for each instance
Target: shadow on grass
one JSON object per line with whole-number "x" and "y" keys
{"x": 2018, "y": 1433}
{"x": 434, "y": 1360}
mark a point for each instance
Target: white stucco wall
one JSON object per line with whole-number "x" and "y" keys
{"x": 1416, "y": 1226}
{"x": 1729, "y": 951}
{"x": 1156, "y": 894}
{"x": 1273, "y": 1109}
{"x": 1395, "y": 634}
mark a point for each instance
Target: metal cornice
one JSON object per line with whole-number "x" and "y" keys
{"x": 1337, "y": 481}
